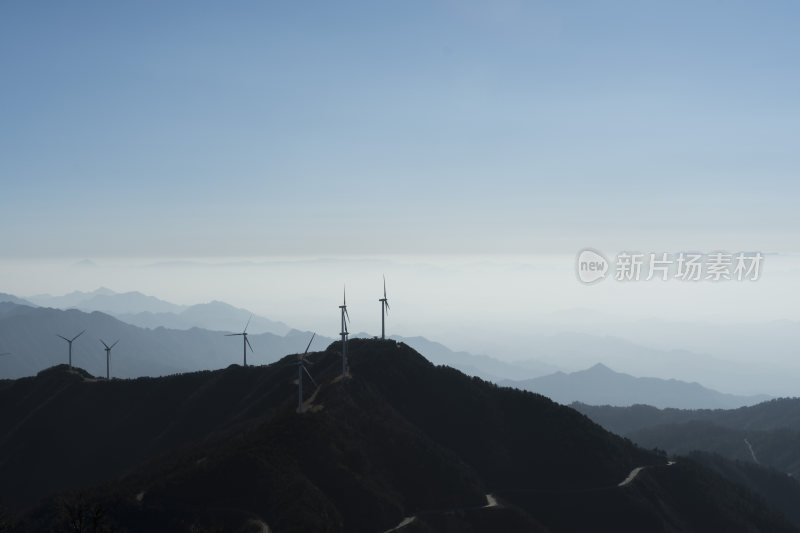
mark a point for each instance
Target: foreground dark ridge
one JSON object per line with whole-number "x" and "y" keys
{"x": 758, "y": 446}
{"x": 226, "y": 450}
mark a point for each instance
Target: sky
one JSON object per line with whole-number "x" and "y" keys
{"x": 424, "y": 133}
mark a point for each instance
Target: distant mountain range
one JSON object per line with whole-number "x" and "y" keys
{"x": 30, "y": 334}
{"x": 150, "y": 312}
{"x": 14, "y": 300}
{"x": 170, "y": 349}
{"x": 400, "y": 442}
{"x": 572, "y": 351}
{"x": 483, "y": 366}
{"x": 599, "y": 385}
{"x": 213, "y": 315}
{"x": 107, "y": 301}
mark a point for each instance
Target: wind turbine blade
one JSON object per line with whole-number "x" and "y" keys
{"x": 309, "y": 343}
{"x": 248, "y": 343}
{"x": 66, "y": 339}
{"x": 344, "y": 296}
{"x": 387, "y": 307}
{"x": 233, "y": 334}
{"x": 113, "y": 344}
{"x": 104, "y": 344}
{"x": 346, "y": 314}
{"x": 384, "y": 287}
{"x": 79, "y": 334}
{"x": 248, "y": 323}
{"x": 309, "y": 377}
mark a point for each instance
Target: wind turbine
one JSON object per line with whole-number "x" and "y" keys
{"x": 108, "y": 353}
{"x": 245, "y": 342}
{"x": 384, "y": 310}
{"x": 344, "y": 333}
{"x": 69, "y": 341}
{"x": 301, "y": 367}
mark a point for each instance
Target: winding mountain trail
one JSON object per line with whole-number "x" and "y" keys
{"x": 407, "y": 520}
{"x": 752, "y": 453}
{"x": 631, "y": 476}
{"x": 635, "y": 472}
{"x": 491, "y": 501}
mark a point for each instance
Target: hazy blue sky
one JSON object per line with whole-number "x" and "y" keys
{"x": 177, "y": 129}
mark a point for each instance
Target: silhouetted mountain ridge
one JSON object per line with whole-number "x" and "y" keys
{"x": 780, "y": 490}
{"x": 600, "y": 385}
{"x": 226, "y": 449}
{"x": 772, "y": 414}
{"x": 758, "y": 445}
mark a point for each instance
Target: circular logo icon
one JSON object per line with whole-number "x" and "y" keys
{"x": 591, "y": 266}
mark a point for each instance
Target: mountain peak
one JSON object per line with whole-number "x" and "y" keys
{"x": 600, "y": 385}
{"x": 64, "y": 371}
{"x": 600, "y": 368}
{"x": 102, "y": 291}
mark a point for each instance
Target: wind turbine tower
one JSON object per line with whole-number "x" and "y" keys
{"x": 108, "y": 357}
{"x": 384, "y": 310}
{"x": 69, "y": 341}
{"x": 344, "y": 333}
{"x": 245, "y": 342}
{"x": 301, "y": 367}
